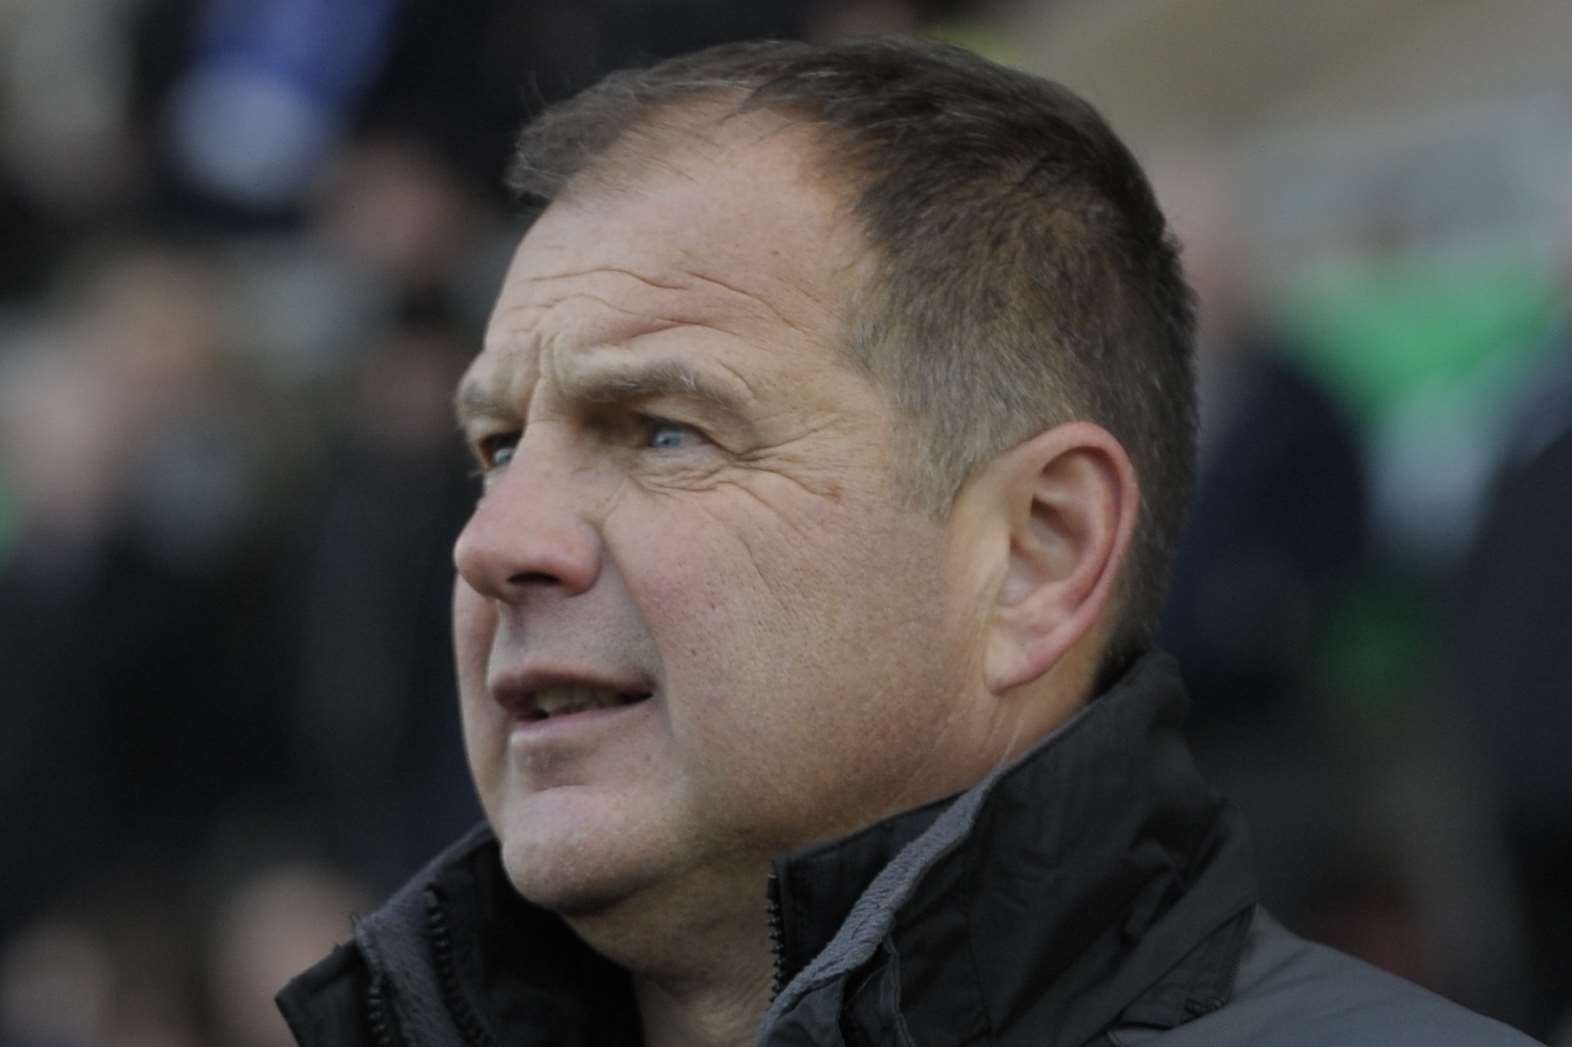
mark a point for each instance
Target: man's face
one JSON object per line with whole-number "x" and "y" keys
{"x": 696, "y": 624}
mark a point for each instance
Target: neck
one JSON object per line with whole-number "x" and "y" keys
{"x": 722, "y": 1013}
{"x": 700, "y": 961}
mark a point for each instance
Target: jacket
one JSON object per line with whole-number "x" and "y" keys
{"x": 1094, "y": 892}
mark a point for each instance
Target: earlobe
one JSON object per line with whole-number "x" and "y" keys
{"x": 1071, "y": 500}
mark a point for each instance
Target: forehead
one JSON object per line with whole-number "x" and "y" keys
{"x": 734, "y": 230}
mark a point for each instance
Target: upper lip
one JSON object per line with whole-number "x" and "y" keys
{"x": 515, "y": 691}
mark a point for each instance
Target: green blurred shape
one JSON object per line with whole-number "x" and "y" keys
{"x": 1377, "y": 330}
{"x": 1373, "y": 648}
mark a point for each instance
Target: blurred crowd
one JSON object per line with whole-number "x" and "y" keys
{"x": 249, "y": 245}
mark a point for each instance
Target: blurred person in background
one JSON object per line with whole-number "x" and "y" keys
{"x": 836, "y": 424}
{"x": 1509, "y": 670}
{"x": 127, "y": 455}
{"x": 112, "y": 966}
{"x": 370, "y": 728}
{"x": 1373, "y": 829}
{"x": 1277, "y": 531}
{"x": 275, "y": 918}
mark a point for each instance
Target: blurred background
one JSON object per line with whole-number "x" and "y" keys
{"x": 248, "y": 245}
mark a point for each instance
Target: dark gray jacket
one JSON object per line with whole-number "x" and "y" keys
{"x": 1094, "y": 892}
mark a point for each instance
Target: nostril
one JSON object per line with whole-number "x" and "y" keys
{"x": 534, "y": 578}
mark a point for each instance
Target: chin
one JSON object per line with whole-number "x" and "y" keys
{"x": 564, "y": 892}
{"x": 579, "y": 871}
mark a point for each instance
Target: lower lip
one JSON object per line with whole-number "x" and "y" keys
{"x": 526, "y": 733}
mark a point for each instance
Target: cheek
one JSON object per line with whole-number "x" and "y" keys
{"x": 694, "y": 594}
{"x": 474, "y": 625}
{"x": 789, "y": 647}
{"x": 484, "y": 723}
{"x": 723, "y": 584}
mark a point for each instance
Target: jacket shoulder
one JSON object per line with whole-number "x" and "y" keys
{"x": 1293, "y": 993}
{"x": 325, "y": 1006}
{"x": 346, "y": 1000}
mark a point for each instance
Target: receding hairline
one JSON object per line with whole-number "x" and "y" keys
{"x": 659, "y": 142}
{"x": 675, "y": 135}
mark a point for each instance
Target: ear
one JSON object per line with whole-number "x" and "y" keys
{"x": 1069, "y": 500}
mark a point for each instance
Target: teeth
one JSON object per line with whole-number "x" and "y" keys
{"x": 564, "y": 700}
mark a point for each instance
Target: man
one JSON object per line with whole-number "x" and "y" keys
{"x": 836, "y": 422}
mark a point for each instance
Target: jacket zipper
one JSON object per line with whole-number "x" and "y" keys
{"x": 470, "y": 1028}
{"x": 777, "y": 937}
{"x": 377, "y": 1016}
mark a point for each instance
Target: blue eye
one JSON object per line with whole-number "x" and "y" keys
{"x": 668, "y": 436}
{"x": 497, "y": 450}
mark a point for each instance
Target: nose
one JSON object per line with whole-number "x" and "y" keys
{"x": 530, "y": 533}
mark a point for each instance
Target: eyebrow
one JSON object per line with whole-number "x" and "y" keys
{"x": 476, "y": 400}
{"x": 648, "y": 379}
{"x": 614, "y": 383}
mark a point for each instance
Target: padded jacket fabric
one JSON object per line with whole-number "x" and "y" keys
{"x": 1093, "y": 892}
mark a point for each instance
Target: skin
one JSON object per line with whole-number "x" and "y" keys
{"x": 687, "y": 492}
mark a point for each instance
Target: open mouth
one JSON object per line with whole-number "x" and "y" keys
{"x": 550, "y": 702}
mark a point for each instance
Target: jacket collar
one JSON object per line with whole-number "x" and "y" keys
{"x": 1095, "y": 881}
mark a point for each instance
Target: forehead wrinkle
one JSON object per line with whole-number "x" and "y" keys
{"x": 493, "y": 388}
{"x": 640, "y": 321}
{"x": 667, "y": 292}
{"x": 732, "y": 289}
{"x": 696, "y": 278}
{"x": 617, "y": 271}
{"x": 611, "y": 316}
